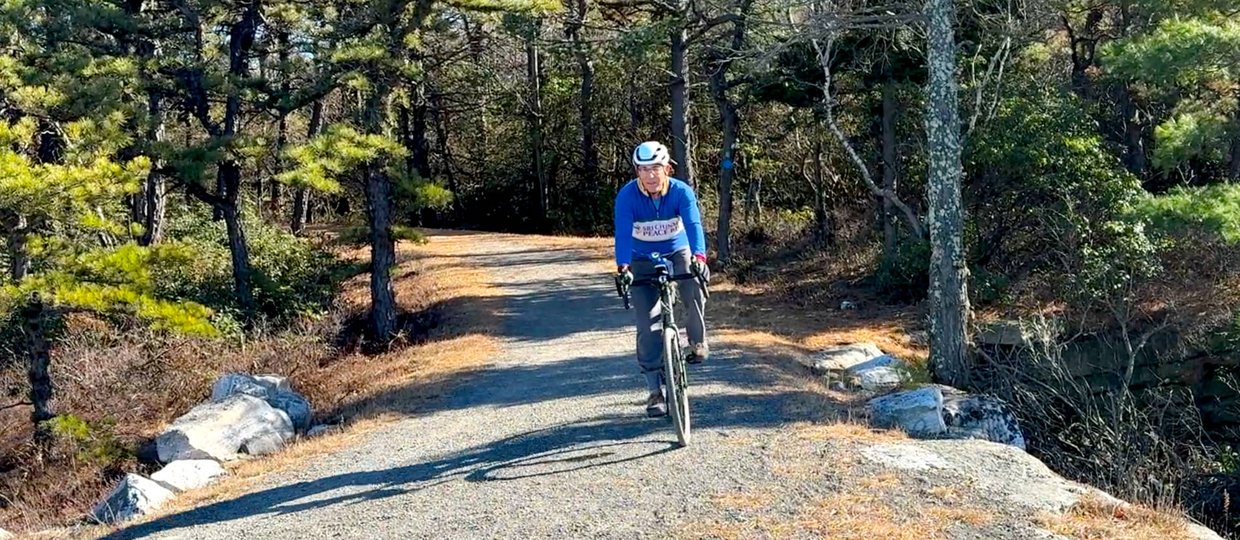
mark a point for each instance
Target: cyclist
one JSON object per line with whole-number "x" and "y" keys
{"x": 657, "y": 216}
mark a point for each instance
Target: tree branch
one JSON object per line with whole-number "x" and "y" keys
{"x": 637, "y": 3}
{"x": 708, "y": 24}
{"x": 998, "y": 60}
{"x": 18, "y": 404}
{"x": 824, "y": 58}
{"x": 196, "y": 189}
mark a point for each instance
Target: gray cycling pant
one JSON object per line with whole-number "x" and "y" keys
{"x": 692, "y": 315}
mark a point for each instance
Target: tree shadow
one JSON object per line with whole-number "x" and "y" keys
{"x": 579, "y": 316}
{"x": 564, "y": 448}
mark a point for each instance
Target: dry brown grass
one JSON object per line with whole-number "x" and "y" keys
{"x": 128, "y": 385}
{"x": 1093, "y": 518}
{"x": 743, "y": 500}
{"x": 847, "y": 430}
{"x": 863, "y": 509}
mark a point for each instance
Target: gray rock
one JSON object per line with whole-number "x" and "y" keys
{"x": 989, "y": 468}
{"x": 134, "y": 496}
{"x": 844, "y": 357}
{"x": 221, "y": 430}
{"x": 295, "y": 406}
{"x": 861, "y": 364}
{"x": 260, "y": 386}
{"x": 880, "y": 378}
{"x": 265, "y": 443}
{"x": 189, "y": 474}
{"x": 273, "y": 389}
{"x": 1010, "y": 333}
{"x": 904, "y": 456}
{"x": 970, "y": 416}
{"x": 1002, "y": 472}
{"x": 917, "y": 412}
{"x": 1200, "y": 532}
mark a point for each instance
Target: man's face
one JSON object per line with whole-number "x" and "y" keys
{"x": 653, "y": 177}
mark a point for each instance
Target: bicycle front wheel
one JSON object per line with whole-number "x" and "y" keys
{"x": 677, "y": 385}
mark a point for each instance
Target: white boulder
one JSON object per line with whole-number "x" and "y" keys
{"x": 187, "y": 474}
{"x": 134, "y": 496}
{"x": 239, "y": 424}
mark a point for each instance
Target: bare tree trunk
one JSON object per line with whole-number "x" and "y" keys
{"x": 1134, "y": 141}
{"x": 1083, "y": 43}
{"x": 38, "y": 353}
{"x": 727, "y": 170}
{"x": 635, "y": 109}
{"x": 421, "y": 148}
{"x": 137, "y": 205}
{"x": 721, "y": 62}
{"x": 228, "y": 174}
{"x": 15, "y": 244}
{"x": 156, "y": 193}
{"x": 948, "y": 273}
{"x": 681, "y": 143}
{"x": 889, "y": 164}
{"x": 277, "y": 188}
{"x": 445, "y": 147}
{"x": 585, "y": 63}
{"x": 382, "y": 255}
{"x": 753, "y": 201}
{"x": 379, "y": 221}
{"x": 1234, "y": 169}
{"x": 155, "y": 189}
{"x": 230, "y": 211}
{"x": 824, "y": 230}
{"x": 51, "y": 148}
{"x": 141, "y": 203}
{"x": 535, "y": 114}
{"x": 301, "y": 200}
{"x": 406, "y": 135}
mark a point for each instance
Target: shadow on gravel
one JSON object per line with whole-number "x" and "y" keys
{"x": 575, "y": 446}
{"x": 730, "y": 391}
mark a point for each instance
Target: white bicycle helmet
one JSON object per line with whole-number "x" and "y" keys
{"x": 651, "y": 153}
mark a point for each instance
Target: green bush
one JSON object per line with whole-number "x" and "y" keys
{"x": 904, "y": 274}
{"x": 1214, "y": 209}
{"x": 359, "y": 235}
{"x": 1045, "y": 198}
{"x": 91, "y": 444}
{"x": 290, "y": 276}
{"x": 986, "y": 287}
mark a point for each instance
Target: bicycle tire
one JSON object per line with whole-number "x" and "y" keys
{"x": 676, "y": 383}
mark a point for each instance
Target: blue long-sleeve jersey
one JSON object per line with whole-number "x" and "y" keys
{"x": 646, "y": 225}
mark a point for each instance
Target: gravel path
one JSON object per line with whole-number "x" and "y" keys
{"x": 551, "y": 441}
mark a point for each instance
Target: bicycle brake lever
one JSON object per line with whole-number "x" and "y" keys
{"x": 623, "y": 291}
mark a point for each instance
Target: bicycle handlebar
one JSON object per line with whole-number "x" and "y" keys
{"x": 623, "y": 290}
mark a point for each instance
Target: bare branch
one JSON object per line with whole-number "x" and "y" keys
{"x": 18, "y": 404}
{"x": 637, "y": 3}
{"x": 709, "y": 24}
{"x": 996, "y": 62}
{"x": 824, "y": 58}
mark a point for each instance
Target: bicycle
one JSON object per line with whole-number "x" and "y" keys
{"x": 676, "y": 386}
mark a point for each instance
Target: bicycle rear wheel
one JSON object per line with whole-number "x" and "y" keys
{"x": 677, "y": 385}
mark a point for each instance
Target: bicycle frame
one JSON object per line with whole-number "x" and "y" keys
{"x": 674, "y": 372}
